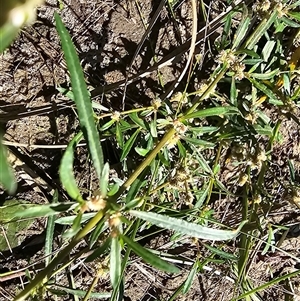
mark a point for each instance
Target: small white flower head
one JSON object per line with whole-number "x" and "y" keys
{"x": 257, "y": 199}
{"x": 173, "y": 141}
{"x": 179, "y": 97}
{"x": 96, "y": 202}
{"x": 238, "y": 69}
{"x": 179, "y": 177}
{"x": 261, "y": 156}
{"x": 182, "y": 174}
{"x": 115, "y": 220}
{"x": 227, "y": 56}
{"x": 251, "y": 117}
{"x": 265, "y": 5}
{"x": 262, "y": 6}
{"x": 202, "y": 88}
{"x": 116, "y": 115}
{"x": 179, "y": 127}
{"x": 281, "y": 10}
{"x": 221, "y": 57}
{"x": 242, "y": 179}
{"x": 189, "y": 199}
{"x": 156, "y": 103}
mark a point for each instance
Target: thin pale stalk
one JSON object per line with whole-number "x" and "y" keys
{"x": 207, "y": 91}
{"x": 146, "y": 162}
{"x": 88, "y": 293}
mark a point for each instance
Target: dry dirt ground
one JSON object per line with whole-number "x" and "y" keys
{"x": 39, "y": 121}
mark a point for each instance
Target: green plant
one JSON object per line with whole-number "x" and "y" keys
{"x": 172, "y": 139}
{"x": 111, "y": 204}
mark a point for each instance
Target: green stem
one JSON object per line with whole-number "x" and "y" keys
{"x": 208, "y": 91}
{"x": 146, "y": 162}
{"x": 212, "y": 179}
{"x": 46, "y": 273}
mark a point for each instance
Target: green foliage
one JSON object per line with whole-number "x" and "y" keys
{"x": 150, "y": 257}
{"x": 81, "y": 97}
{"x": 184, "y": 227}
{"x": 172, "y": 155}
{"x": 12, "y": 227}
{"x": 7, "y": 178}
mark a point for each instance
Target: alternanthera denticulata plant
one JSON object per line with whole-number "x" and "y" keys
{"x": 167, "y": 136}
{"x": 120, "y": 210}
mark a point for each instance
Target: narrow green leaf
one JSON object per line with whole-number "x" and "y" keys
{"x": 292, "y": 170}
{"x": 34, "y": 211}
{"x": 68, "y": 220}
{"x": 204, "y": 129}
{"x": 295, "y": 15}
{"x": 264, "y": 131}
{"x": 226, "y": 31}
{"x": 289, "y": 22}
{"x": 202, "y": 161}
{"x": 119, "y": 135}
{"x": 70, "y": 95}
{"x": 294, "y": 5}
{"x": 200, "y": 142}
{"x": 279, "y": 26}
{"x": 81, "y": 97}
{"x": 251, "y": 53}
{"x": 181, "y": 149}
{"x": 12, "y": 229}
{"x": 107, "y": 125}
{"x": 252, "y": 62}
{"x": 149, "y": 257}
{"x": 268, "y": 49}
{"x": 186, "y": 228}
{"x": 266, "y": 285}
{"x": 212, "y": 112}
{"x": 221, "y": 253}
{"x": 134, "y": 203}
{"x": 114, "y": 188}
{"x": 104, "y": 180}
{"x": 137, "y": 120}
{"x": 75, "y": 227}
{"x": 136, "y": 185}
{"x": 233, "y": 92}
{"x": 142, "y": 151}
{"x": 216, "y": 169}
{"x": 286, "y": 83}
{"x": 266, "y": 75}
{"x": 153, "y": 128}
{"x": 190, "y": 279}
{"x": 50, "y": 232}
{"x": 241, "y": 32}
{"x": 115, "y": 261}
{"x": 79, "y": 293}
{"x": 260, "y": 30}
{"x": 271, "y": 242}
{"x": 263, "y": 88}
{"x": 129, "y": 144}
{"x": 202, "y": 197}
{"x": 101, "y": 226}
{"x": 66, "y": 173}
{"x": 7, "y": 178}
